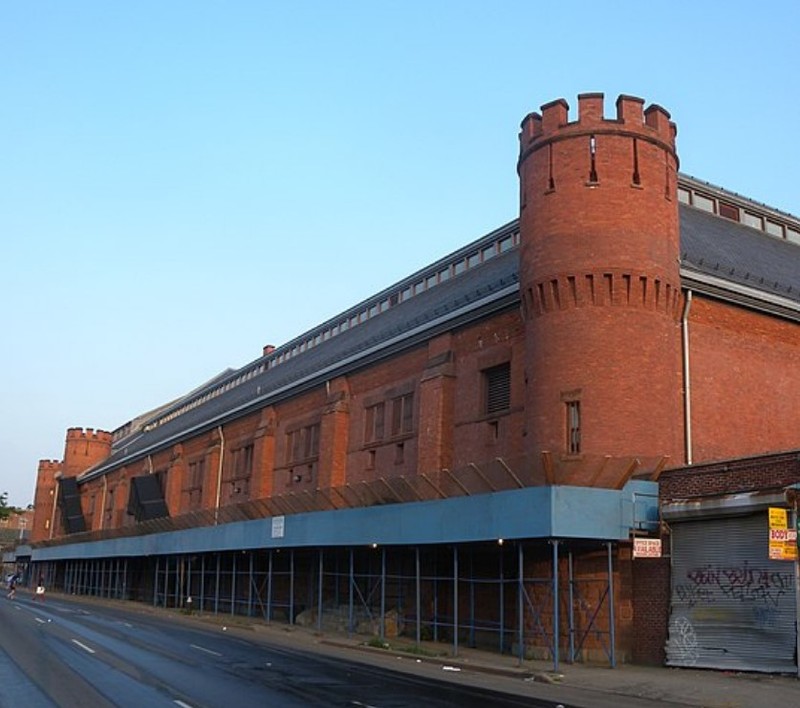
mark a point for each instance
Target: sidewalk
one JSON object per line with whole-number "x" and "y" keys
{"x": 574, "y": 684}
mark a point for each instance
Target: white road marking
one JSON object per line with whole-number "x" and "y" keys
{"x": 181, "y": 704}
{"x": 40, "y": 620}
{"x": 207, "y": 651}
{"x": 83, "y": 646}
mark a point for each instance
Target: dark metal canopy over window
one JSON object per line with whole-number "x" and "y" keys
{"x": 146, "y": 500}
{"x": 70, "y": 502}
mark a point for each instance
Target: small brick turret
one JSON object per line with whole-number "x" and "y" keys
{"x": 84, "y": 449}
{"x": 44, "y": 498}
{"x": 600, "y": 280}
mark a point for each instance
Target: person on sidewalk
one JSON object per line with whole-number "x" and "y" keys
{"x": 39, "y": 595}
{"x": 12, "y": 586}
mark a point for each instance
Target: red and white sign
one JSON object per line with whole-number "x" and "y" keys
{"x": 647, "y": 548}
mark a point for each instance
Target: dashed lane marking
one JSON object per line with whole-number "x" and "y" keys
{"x": 83, "y": 646}
{"x": 207, "y": 651}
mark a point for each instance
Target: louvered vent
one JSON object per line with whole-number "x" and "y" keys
{"x": 498, "y": 388}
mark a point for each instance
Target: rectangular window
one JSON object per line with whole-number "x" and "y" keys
{"x": 403, "y": 414}
{"x": 374, "y": 423}
{"x": 702, "y": 202}
{"x": 243, "y": 462}
{"x": 729, "y": 211}
{"x": 497, "y": 389}
{"x": 774, "y": 229}
{"x": 573, "y": 427}
{"x": 194, "y": 487}
{"x": 753, "y": 220}
{"x": 303, "y": 443}
{"x": 109, "y": 508}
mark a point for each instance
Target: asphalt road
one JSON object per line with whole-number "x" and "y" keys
{"x": 66, "y": 653}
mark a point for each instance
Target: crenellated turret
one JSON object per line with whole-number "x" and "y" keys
{"x": 84, "y": 449}
{"x": 600, "y": 279}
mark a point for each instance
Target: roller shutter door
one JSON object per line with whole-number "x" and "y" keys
{"x": 731, "y": 607}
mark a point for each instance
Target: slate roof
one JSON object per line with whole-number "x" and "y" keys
{"x": 711, "y": 247}
{"x": 739, "y": 254}
{"x": 492, "y": 286}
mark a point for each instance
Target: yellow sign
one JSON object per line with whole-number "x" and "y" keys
{"x": 778, "y": 518}
{"x": 782, "y": 539}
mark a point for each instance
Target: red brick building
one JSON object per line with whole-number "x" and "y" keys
{"x": 512, "y": 404}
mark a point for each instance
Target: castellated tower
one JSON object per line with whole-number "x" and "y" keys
{"x": 84, "y": 449}
{"x": 600, "y": 280}
{"x": 44, "y": 499}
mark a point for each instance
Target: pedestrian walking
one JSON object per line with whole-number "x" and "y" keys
{"x": 39, "y": 595}
{"x": 12, "y": 586}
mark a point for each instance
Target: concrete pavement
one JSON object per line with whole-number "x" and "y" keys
{"x": 582, "y": 685}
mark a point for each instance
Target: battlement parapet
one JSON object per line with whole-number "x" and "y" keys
{"x": 49, "y": 465}
{"x": 553, "y": 122}
{"x": 89, "y": 434}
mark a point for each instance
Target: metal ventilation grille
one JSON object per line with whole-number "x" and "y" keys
{"x": 498, "y": 388}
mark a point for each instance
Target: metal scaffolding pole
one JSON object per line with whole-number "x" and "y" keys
{"x": 216, "y": 588}
{"x": 202, "y": 583}
{"x": 436, "y": 596}
{"x": 187, "y": 591}
{"x": 350, "y": 601}
{"x": 455, "y": 600}
{"x": 418, "y": 595}
{"x": 155, "y": 582}
{"x": 250, "y": 583}
{"x": 471, "y": 640}
{"x": 383, "y": 593}
{"x": 178, "y": 581}
{"x": 291, "y": 586}
{"x": 571, "y": 583}
{"x": 502, "y": 601}
{"x": 556, "y": 628}
{"x": 520, "y": 608}
{"x": 269, "y": 587}
{"x": 611, "y": 618}
{"x": 233, "y": 585}
{"x": 319, "y": 588}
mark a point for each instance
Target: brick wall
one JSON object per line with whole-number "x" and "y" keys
{"x": 651, "y": 597}
{"x": 745, "y": 377}
{"x": 747, "y": 474}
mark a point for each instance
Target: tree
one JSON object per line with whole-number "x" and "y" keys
{"x": 5, "y": 509}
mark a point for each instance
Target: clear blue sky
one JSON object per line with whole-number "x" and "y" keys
{"x": 182, "y": 182}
